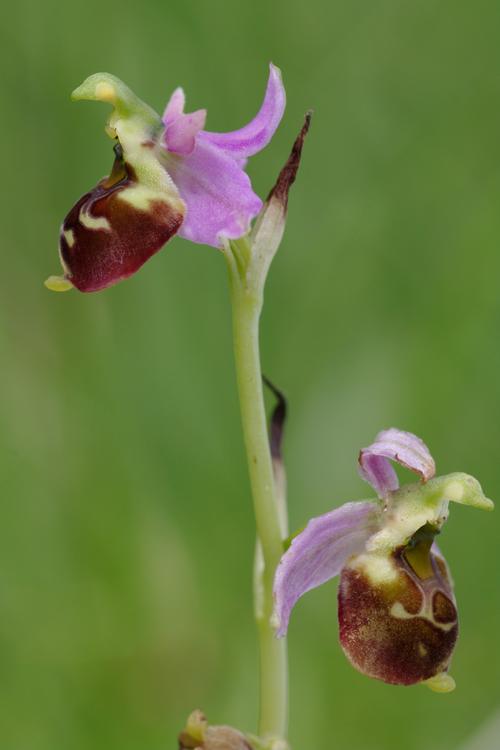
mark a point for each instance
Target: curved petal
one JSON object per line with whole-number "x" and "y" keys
{"x": 217, "y": 192}
{"x": 403, "y": 447}
{"x": 256, "y": 135}
{"x": 319, "y": 553}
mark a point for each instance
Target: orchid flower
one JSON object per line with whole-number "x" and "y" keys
{"x": 170, "y": 176}
{"x": 396, "y": 606}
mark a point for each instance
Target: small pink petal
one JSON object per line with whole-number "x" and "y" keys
{"x": 319, "y": 553}
{"x": 180, "y": 136}
{"x": 405, "y": 448}
{"x": 175, "y": 106}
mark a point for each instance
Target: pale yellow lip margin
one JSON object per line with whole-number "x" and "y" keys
{"x": 58, "y": 284}
{"x": 441, "y": 683}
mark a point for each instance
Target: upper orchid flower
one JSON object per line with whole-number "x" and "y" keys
{"x": 169, "y": 177}
{"x": 397, "y": 610}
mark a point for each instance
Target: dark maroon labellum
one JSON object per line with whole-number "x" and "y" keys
{"x": 401, "y": 631}
{"x": 105, "y": 238}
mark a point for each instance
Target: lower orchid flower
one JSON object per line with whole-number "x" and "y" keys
{"x": 169, "y": 177}
{"x": 396, "y": 607}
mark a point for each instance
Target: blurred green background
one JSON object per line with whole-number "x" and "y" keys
{"x": 126, "y": 533}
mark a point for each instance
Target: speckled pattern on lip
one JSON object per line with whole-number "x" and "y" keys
{"x": 403, "y": 631}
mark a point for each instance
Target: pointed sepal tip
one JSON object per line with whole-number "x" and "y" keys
{"x": 458, "y": 488}
{"x": 106, "y": 87}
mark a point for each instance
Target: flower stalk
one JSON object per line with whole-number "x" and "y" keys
{"x": 246, "y": 309}
{"x": 248, "y": 261}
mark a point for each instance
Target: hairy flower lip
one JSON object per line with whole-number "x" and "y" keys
{"x": 105, "y": 238}
{"x": 401, "y": 630}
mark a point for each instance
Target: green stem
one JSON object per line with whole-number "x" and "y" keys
{"x": 246, "y": 308}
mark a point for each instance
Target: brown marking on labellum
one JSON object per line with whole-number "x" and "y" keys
{"x": 401, "y": 631}
{"x": 443, "y": 609}
{"x": 123, "y": 237}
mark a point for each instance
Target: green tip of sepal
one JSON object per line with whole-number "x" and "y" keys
{"x": 441, "y": 683}
{"x": 464, "y": 489}
{"x": 101, "y": 87}
{"x": 105, "y": 87}
{"x": 58, "y": 284}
